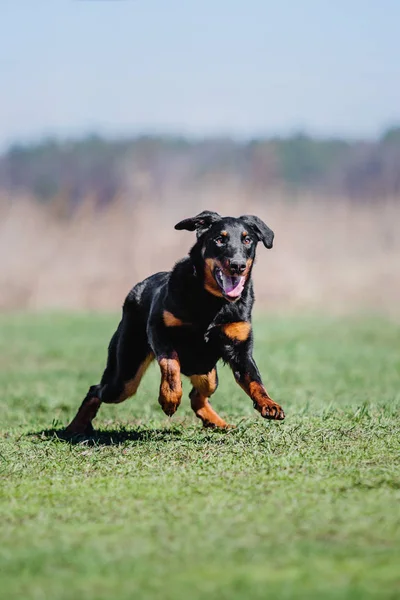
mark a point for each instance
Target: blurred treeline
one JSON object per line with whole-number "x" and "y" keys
{"x": 146, "y": 166}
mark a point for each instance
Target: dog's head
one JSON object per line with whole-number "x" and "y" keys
{"x": 227, "y": 246}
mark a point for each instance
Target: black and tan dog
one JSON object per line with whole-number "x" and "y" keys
{"x": 187, "y": 320}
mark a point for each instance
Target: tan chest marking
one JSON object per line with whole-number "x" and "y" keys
{"x": 238, "y": 331}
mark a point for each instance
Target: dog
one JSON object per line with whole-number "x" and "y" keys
{"x": 187, "y": 320}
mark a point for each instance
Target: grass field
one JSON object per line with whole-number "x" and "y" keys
{"x": 159, "y": 508}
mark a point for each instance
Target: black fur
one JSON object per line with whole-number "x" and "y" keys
{"x": 197, "y": 300}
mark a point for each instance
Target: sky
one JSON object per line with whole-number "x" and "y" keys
{"x": 243, "y": 68}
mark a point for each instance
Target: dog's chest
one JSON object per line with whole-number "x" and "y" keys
{"x": 197, "y": 353}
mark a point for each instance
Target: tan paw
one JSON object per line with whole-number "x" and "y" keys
{"x": 270, "y": 410}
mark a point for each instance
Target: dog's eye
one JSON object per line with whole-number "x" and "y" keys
{"x": 220, "y": 240}
{"x": 247, "y": 241}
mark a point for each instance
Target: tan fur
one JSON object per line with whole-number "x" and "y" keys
{"x": 249, "y": 262}
{"x": 171, "y": 385}
{"x": 209, "y": 282}
{"x": 131, "y": 386}
{"x": 204, "y": 411}
{"x": 258, "y": 393}
{"x": 262, "y": 401}
{"x": 239, "y": 330}
{"x": 204, "y": 386}
{"x": 170, "y": 320}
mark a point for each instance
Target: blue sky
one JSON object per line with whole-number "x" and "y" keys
{"x": 238, "y": 67}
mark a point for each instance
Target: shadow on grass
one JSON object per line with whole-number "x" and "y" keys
{"x": 116, "y": 437}
{"x": 109, "y": 437}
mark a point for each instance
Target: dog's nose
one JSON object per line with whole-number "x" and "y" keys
{"x": 237, "y": 266}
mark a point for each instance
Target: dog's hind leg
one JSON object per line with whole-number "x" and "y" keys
{"x": 82, "y": 422}
{"x": 203, "y": 387}
{"x": 129, "y": 355}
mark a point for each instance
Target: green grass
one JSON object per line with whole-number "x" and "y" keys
{"x": 159, "y": 508}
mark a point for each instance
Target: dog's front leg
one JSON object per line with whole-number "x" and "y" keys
{"x": 168, "y": 360}
{"x": 171, "y": 384}
{"x": 248, "y": 377}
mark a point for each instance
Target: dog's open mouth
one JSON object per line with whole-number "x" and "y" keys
{"x": 231, "y": 286}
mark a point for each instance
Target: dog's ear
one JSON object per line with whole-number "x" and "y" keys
{"x": 262, "y": 231}
{"x": 200, "y": 223}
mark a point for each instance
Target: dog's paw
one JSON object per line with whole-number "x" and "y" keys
{"x": 217, "y": 425}
{"x": 79, "y": 429}
{"x": 169, "y": 406}
{"x": 270, "y": 410}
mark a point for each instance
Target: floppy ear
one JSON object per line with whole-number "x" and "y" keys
{"x": 262, "y": 231}
{"x": 200, "y": 223}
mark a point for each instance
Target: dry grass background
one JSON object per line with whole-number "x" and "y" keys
{"x": 329, "y": 255}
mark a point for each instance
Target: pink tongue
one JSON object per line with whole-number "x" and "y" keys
{"x": 233, "y": 289}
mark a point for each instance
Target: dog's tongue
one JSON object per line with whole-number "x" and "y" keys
{"x": 233, "y": 286}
